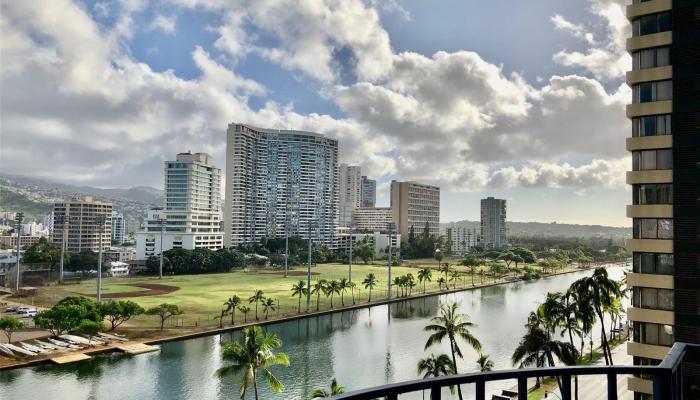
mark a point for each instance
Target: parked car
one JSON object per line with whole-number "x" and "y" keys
{"x": 12, "y": 309}
{"x": 27, "y": 312}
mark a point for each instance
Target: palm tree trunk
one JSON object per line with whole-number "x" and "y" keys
{"x": 604, "y": 339}
{"x": 299, "y": 305}
{"x": 454, "y": 362}
{"x": 233, "y": 316}
{"x": 472, "y": 277}
{"x": 256, "y": 311}
{"x": 255, "y": 385}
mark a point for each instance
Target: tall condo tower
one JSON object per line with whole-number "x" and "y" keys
{"x": 82, "y": 221}
{"x": 493, "y": 222}
{"x": 369, "y": 192}
{"x": 415, "y": 206}
{"x": 665, "y": 180}
{"x": 280, "y": 181}
{"x": 350, "y": 192}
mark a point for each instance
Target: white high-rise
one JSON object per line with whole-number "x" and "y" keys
{"x": 189, "y": 218}
{"x": 349, "y": 193}
{"x": 277, "y": 181}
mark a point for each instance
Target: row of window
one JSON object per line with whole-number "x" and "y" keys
{"x": 652, "y": 193}
{"x": 651, "y": 58}
{"x": 652, "y": 125}
{"x": 652, "y": 228}
{"x": 650, "y": 24}
{"x": 656, "y": 159}
{"x": 652, "y": 298}
{"x": 652, "y": 263}
{"x": 646, "y": 92}
{"x": 654, "y": 334}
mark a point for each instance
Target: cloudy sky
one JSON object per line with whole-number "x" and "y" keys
{"x": 513, "y": 99}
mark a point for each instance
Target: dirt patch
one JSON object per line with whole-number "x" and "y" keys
{"x": 154, "y": 289}
{"x": 290, "y": 273}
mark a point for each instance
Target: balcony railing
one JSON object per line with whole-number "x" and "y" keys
{"x": 667, "y": 379}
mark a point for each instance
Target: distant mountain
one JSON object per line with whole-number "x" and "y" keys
{"x": 553, "y": 229}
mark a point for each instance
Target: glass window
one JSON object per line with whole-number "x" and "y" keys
{"x": 664, "y": 22}
{"x": 648, "y": 297}
{"x": 665, "y": 228}
{"x": 646, "y": 59}
{"x": 664, "y": 90}
{"x": 664, "y": 159}
{"x": 665, "y": 335}
{"x": 648, "y": 160}
{"x": 665, "y": 299}
{"x": 649, "y": 228}
{"x": 648, "y": 261}
{"x": 650, "y": 334}
{"x": 645, "y": 92}
{"x": 664, "y": 264}
{"x": 663, "y": 56}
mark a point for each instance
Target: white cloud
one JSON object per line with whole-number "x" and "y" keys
{"x": 577, "y": 30}
{"x": 598, "y": 173}
{"x": 163, "y": 23}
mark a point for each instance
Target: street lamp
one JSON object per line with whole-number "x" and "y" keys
{"x": 100, "y": 222}
{"x": 286, "y": 244}
{"x": 350, "y": 256}
{"x": 19, "y": 217}
{"x": 61, "y": 220}
{"x": 390, "y": 227}
{"x": 161, "y": 220}
{"x": 308, "y": 270}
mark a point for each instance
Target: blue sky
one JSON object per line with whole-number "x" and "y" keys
{"x": 520, "y": 100}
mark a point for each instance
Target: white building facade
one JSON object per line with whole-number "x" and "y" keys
{"x": 349, "y": 192}
{"x": 190, "y": 216}
{"x": 280, "y": 181}
{"x": 461, "y": 239}
{"x": 372, "y": 219}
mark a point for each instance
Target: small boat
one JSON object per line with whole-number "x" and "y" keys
{"x": 113, "y": 337}
{"x": 49, "y": 345}
{"x": 65, "y": 345}
{"x": 20, "y": 350}
{"x": 76, "y": 339}
{"x": 32, "y": 348}
{"x": 6, "y": 351}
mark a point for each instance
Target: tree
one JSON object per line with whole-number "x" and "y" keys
{"x": 10, "y": 324}
{"x": 89, "y": 328}
{"x": 451, "y": 325}
{"x": 454, "y": 277}
{"x": 352, "y": 287}
{"x": 508, "y": 257}
{"x": 471, "y": 262}
{"x": 526, "y": 254}
{"x": 245, "y": 310}
{"x": 317, "y": 288}
{"x": 268, "y": 305}
{"x": 343, "y": 286}
{"x": 484, "y": 363}
{"x": 332, "y": 288}
{"x": 424, "y": 275}
{"x": 335, "y": 389}
{"x": 164, "y": 312}
{"x": 441, "y": 281}
{"x": 370, "y": 282}
{"x": 299, "y": 290}
{"x": 68, "y": 313}
{"x": 436, "y": 366}
{"x": 439, "y": 256}
{"x": 254, "y": 355}
{"x": 231, "y": 304}
{"x": 365, "y": 252}
{"x": 397, "y": 283}
{"x": 256, "y": 298}
{"x": 42, "y": 252}
{"x": 118, "y": 312}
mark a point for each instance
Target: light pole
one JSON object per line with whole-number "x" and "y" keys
{"x": 308, "y": 273}
{"x": 100, "y": 221}
{"x": 162, "y": 231}
{"x": 391, "y": 230}
{"x": 350, "y": 257}
{"x": 286, "y": 246}
{"x": 19, "y": 217}
{"x": 61, "y": 219}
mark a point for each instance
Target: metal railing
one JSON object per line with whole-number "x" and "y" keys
{"x": 667, "y": 379}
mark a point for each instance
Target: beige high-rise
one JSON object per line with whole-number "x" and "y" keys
{"x": 81, "y": 218}
{"x": 415, "y": 205}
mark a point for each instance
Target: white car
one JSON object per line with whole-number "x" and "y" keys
{"x": 28, "y": 312}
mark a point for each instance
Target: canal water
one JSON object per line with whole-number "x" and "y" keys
{"x": 361, "y": 348}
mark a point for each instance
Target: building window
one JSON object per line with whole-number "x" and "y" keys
{"x": 651, "y": 58}
{"x": 646, "y": 160}
{"x": 650, "y": 24}
{"x": 652, "y": 193}
{"x": 652, "y": 125}
{"x": 652, "y": 228}
{"x": 652, "y": 91}
{"x": 652, "y": 263}
{"x": 652, "y": 298}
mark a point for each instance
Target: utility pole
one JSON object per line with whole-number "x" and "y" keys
{"x": 391, "y": 229}
{"x": 19, "y": 217}
{"x": 100, "y": 220}
{"x": 308, "y": 274}
{"x": 162, "y": 231}
{"x": 62, "y": 221}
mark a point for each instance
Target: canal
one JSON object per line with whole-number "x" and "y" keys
{"x": 360, "y": 348}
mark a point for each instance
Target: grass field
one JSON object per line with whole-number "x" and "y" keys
{"x": 202, "y": 296}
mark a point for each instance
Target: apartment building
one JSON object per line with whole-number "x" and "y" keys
{"x": 665, "y": 180}
{"x": 280, "y": 181}
{"x": 369, "y": 192}
{"x": 118, "y": 228}
{"x": 372, "y": 219}
{"x": 493, "y": 222}
{"x": 415, "y": 206}
{"x": 189, "y": 218}
{"x": 84, "y": 223}
{"x": 461, "y": 239}
{"x": 349, "y": 192}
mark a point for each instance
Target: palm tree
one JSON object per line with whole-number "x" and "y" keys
{"x": 253, "y": 355}
{"x": 231, "y": 304}
{"x": 318, "y": 288}
{"x": 435, "y": 366}
{"x": 601, "y": 291}
{"x": 343, "y": 286}
{"x": 424, "y": 275}
{"x": 439, "y": 256}
{"x": 256, "y": 298}
{"x": 370, "y": 282}
{"x": 333, "y": 287}
{"x": 268, "y": 305}
{"x": 397, "y": 284}
{"x": 221, "y": 317}
{"x": 484, "y": 363}
{"x": 335, "y": 389}
{"x": 452, "y": 325}
{"x": 352, "y": 287}
{"x": 454, "y": 276}
{"x": 245, "y": 310}
{"x": 441, "y": 281}
{"x": 471, "y": 262}
{"x": 299, "y": 290}
{"x": 410, "y": 283}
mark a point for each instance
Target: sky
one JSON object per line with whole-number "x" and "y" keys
{"x": 517, "y": 100}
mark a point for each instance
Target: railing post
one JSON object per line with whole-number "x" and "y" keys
{"x": 435, "y": 393}
{"x": 661, "y": 385}
{"x": 566, "y": 387}
{"x": 480, "y": 390}
{"x": 522, "y": 388}
{"x": 612, "y": 386}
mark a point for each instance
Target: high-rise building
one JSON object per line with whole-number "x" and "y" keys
{"x": 461, "y": 239}
{"x": 415, "y": 206}
{"x": 280, "y": 181}
{"x": 665, "y": 147}
{"x": 369, "y": 192}
{"x": 349, "y": 192}
{"x": 373, "y": 219}
{"x": 189, "y": 218}
{"x": 118, "y": 227}
{"x": 83, "y": 222}
{"x": 493, "y": 222}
